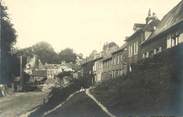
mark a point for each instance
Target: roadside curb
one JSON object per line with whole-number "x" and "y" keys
{"x": 98, "y": 103}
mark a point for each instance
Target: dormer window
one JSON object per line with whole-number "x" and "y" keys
{"x": 173, "y": 40}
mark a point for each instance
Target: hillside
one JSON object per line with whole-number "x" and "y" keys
{"x": 153, "y": 87}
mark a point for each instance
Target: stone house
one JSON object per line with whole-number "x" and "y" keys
{"x": 53, "y": 70}
{"x": 119, "y": 62}
{"x": 38, "y": 76}
{"x": 107, "y": 51}
{"x": 98, "y": 68}
{"x": 141, "y": 33}
{"x": 107, "y": 68}
{"x": 169, "y": 33}
{"x": 87, "y": 71}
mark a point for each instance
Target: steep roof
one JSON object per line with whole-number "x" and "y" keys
{"x": 171, "y": 19}
{"x": 107, "y": 58}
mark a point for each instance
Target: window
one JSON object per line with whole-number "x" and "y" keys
{"x": 143, "y": 55}
{"x": 135, "y": 48}
{"x": 147, "y": 54}
{"x": 173, "y": 40}
{"x": 177, "y": 35}
{"x": 160, "y": 49}
{"x": 113, "y": 60}
{"x": 130, "y": 50}
{"x": 151, "y": 53}
{"x": 181, "y": 38}
{"x": 169, "y": 44}
{"x": 118, "y": 59}
{"x": 155, "y": 51}
{"x": 177, "y": 40}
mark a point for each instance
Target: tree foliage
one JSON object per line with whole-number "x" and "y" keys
{"x": 8, "y": 39}
{"x": 43, "y": 51}
{"x": 68, "y": 55}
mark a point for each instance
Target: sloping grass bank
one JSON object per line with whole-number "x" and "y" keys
{"x": 153, "y": 88}
{"x": 57, "y": 96}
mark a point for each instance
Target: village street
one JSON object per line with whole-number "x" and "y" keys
{"x": 19, "y": 103}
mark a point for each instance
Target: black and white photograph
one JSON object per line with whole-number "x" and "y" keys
{"x": 91, "y": 58}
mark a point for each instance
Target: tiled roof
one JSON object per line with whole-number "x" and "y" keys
{"x": 172, "y": 18}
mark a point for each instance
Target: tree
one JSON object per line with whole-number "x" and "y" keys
{"x": 8, "y": 39}
{"x": 93, "y": 53}
{"x": 68, "y": 55}
{"x": 43, "y": 50}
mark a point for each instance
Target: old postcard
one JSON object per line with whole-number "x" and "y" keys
{"x": 91, "y": 58}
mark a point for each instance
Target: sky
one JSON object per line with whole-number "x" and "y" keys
{"x": 83, "y": 25}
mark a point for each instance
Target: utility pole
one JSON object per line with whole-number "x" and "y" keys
{"x": 1, "y": 78}
{"x": 21, "y": 74}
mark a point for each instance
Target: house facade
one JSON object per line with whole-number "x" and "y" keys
{"x": 53, "y": 70}
{"x": 134, "y": 42}
{"x": 98, "y": 68}
{"x": 119, "y": 62}
{"x": 38, "y": 76}
{"x": 87, "y": 71}
{"x": 108, "y": 49}
{"x": 147, "y": 40}
{"x": 107, "y": 68}
{"x": 141, "y": 33}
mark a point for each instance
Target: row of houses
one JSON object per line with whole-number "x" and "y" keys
{"x": 39, "y": 71}
{"x": 148, "y": 39}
